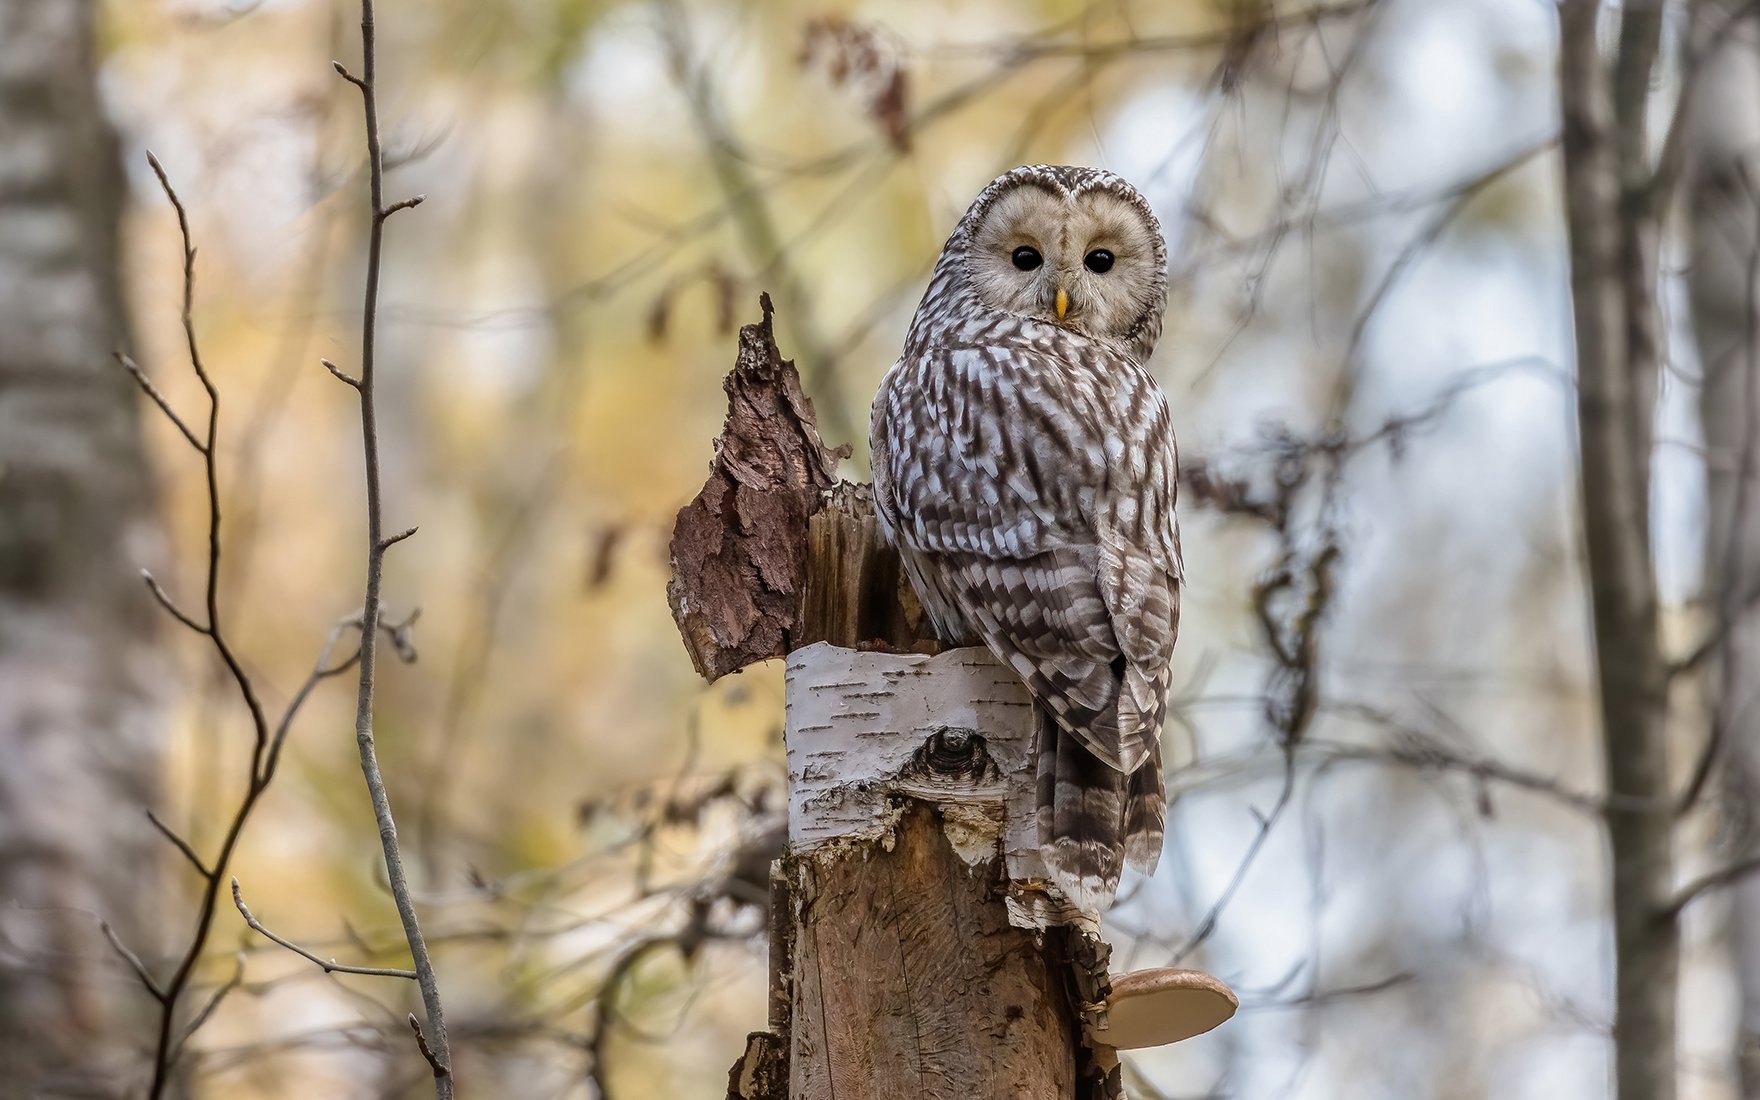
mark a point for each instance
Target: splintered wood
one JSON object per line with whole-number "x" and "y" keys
{"x": 857, "y": 595}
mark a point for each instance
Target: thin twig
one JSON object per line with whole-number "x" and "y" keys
{"x": 169, "y": 995}
{"x": 134, "y": 962}
{"x": 330, "y": 966}
{"x": 341, "y": 374}
{"x": 1719, "y": 635}
{"x": 146, "y": 384}
{"x": 756, "y": 223}
{"x": 1731, "y": 609}
{"x": 322, "y": 670}
{"x": 1712, "y": 880}
{"x": 213, "y": 1003}
{"x": 268, "y": 741}
{"x": 1208, "y": 925}
{"x": 180, "y": 844}
{"x": 436, "y": 1048}
{"x": 434, "y": 1063}
{"x": 1671, "y": 160}
{"x": 171, "y": 608}
{"x": 608, "y": 1015}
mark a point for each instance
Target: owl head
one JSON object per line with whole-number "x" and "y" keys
{"x": 1074, "y": 247}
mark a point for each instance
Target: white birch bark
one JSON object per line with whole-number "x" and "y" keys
{"x": 858, "y": 728}
{"x": 78, "y": 721}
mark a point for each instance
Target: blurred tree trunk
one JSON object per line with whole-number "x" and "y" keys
{"x": 1612, "y": 224}
{"x": 79, "y": 719}
{"x": 1722, "y": 193}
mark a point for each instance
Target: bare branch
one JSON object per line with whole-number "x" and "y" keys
{"x": 436, "y": 1049}
{"x": 1672, "y": 159}
{"x": 342, "y": 71}
{"x": 1706, "y": 883}
{"x": 189, "y": 285}
{"x": 213, "y": 1003}
{"x": 1422, "y": 753}
{"x": 330, "y": 966}
{"x": 392, "y": 540}
{"x": 753, "y": 218}
{"x": 402, "y": 639}
{"x": 344, "y": 376}
{"x": 1207, "y": 926}
{"x": 134, "y": 962}
{"x": 434, "y": 1063}
{"x": 323, "y": 669}
{"x": 1727, "y": 571}
{"x": 171, "y": 608}
{"x": 265, "y": 749}
{"x": 180, "y": 844}
{"x": 1464, "y": 195}
{"x": 404, "y": 204}
{"x": 152, "y": 391}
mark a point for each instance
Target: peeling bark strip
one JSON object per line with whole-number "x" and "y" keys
{"x": 739, "y": 558}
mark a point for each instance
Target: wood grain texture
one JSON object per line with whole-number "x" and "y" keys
{"x": 910, "y": 982}
{"x": 857, "y": 595}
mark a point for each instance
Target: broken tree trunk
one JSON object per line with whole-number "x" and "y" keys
{"x": 906, "y": 781}
{"x": 915, "y": 951}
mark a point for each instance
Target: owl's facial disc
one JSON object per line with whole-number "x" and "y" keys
{"x": 1087, "y": 263}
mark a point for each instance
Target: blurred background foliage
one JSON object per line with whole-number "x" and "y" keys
{"x": 1370, "y": 311}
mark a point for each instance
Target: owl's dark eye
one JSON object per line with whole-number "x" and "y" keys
{"x": 1099, "y": 261}
{"x": 1026, "y": 257}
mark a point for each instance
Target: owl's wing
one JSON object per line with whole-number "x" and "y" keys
{"x": 1141, "y": 567}
{"x": 1035, "y": 485}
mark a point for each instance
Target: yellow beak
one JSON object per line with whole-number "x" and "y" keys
{"x": 1062, "y": 302}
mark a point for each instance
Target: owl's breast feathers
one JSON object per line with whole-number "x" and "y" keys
{"x": 1029, "y": 484}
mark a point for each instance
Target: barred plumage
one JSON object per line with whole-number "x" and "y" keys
{"x": 1025, "y": 466}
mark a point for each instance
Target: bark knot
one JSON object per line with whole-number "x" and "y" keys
{"x": 953, "y": 754}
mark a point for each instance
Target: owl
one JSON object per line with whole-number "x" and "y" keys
{"x": 1025, "y": 468}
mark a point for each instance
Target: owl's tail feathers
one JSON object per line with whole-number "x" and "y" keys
{"x": 1145, "y": 814}
{"x": 1092, "y": 818}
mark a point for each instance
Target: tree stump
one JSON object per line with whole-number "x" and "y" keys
{"x": 920, "y": 965}
{"x": 915, "y": 950}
